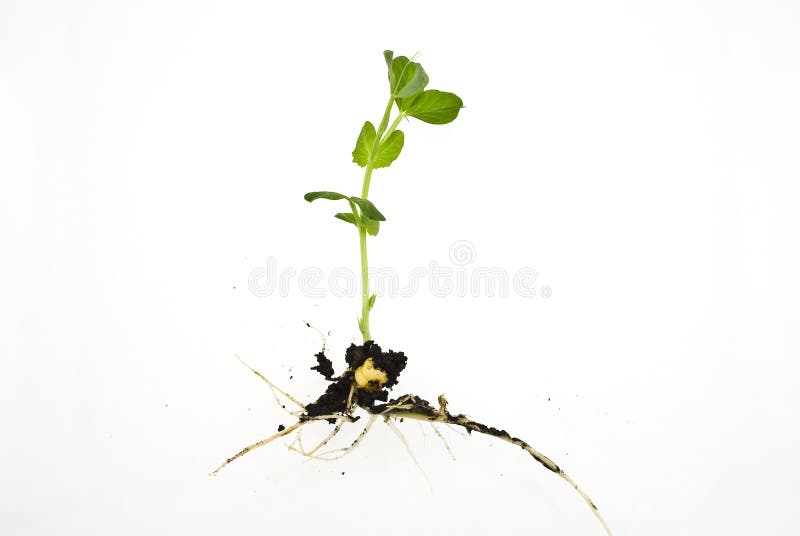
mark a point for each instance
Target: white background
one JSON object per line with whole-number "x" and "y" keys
{"x": 643, "y": 157}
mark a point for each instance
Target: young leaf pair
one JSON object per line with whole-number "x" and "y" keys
{"x": 387, "y": 150}
{"x": 407, "y": 81}
{"x": 368, "y": 216}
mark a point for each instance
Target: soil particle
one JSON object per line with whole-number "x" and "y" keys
{"x": 281, "y": 428}
{"x": 324, "y": 366}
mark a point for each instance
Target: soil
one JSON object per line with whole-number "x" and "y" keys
{"x": 334, "y": 400}
{"x": 324, "y": 366}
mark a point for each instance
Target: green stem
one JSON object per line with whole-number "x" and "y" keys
{"x": 363, "y": 322}
{"x": 394, "y": 126}
{"x": 384, "y": 122}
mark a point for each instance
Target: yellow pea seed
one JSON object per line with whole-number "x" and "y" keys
{"x": 370, "y": 378}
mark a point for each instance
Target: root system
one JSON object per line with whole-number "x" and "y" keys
{"x": 365, "y": 383}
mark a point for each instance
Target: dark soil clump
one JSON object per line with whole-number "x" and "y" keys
{"x": 334, "y": 399}
{"x": 324, "y": 366}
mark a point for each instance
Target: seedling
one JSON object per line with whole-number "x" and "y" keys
{"x": 371, "y": 373}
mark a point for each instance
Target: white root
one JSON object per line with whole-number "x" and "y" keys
{"x": 402, "y": 439}
{"x": 285, "y": 431}
{"x": 446, "y": 444}
{"x": 544, "y": 460}
{"x": 455, "y": 430}
{"x": 345, "y": 451}
{"x": 274, "y": 389}
{"x": 325, "y": 441}
{"x": 297, "y": 441}
{"x": 470, "y": 425}
{"x": 321, "y": 336}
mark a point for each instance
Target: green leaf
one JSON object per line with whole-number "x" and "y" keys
{"x": 312, "y": 196}
{"x": 368, "y": 209}
{"x": 433, "y": 106}
{"x": 371, "y": 301}
{"x": 389, "y": 149}
{"x": 412, "y": 83}
{"x": 387, "y": 55}
{"x": 346, "y": 216}
{"x": 397, "y": 71}
{"x": 371, "y": 226}
{"x": 409, "y": 78}
{"x": 366, "y": 139}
